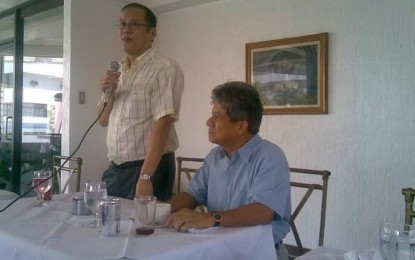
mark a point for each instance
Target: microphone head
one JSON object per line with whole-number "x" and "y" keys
{"x": 114, "y": 66}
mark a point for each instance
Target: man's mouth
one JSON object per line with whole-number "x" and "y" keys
{"x": 126, "y": 39}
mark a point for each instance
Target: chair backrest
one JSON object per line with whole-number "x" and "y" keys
{"x": 309, "y": 187}
{"x": 72, "y": 167}
{"x": 187, "y": 166}
{"x": 409, "y": 194}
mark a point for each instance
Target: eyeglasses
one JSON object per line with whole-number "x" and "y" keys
{"x": 130, "y": 25}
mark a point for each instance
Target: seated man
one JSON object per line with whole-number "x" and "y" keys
{"x": 245, "y": 180}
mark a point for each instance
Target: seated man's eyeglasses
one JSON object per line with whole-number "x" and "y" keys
{"x": 131, "y": 25}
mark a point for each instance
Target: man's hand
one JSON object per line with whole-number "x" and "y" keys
{"x": 144, "y": 188}
{"x": 185, "y": 219}
{"x": 110, "y": 80}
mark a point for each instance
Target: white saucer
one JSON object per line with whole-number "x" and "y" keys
{"x": 158, "y": 225}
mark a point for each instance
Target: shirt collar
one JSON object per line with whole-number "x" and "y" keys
{"x": 140, "y": 59}
{"x": 245, "y": 151}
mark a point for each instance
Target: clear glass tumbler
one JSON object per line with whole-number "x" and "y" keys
{"x": 397, "y": 241}
{"x": 145, "y": 211}
{"x": 93, "y": 194}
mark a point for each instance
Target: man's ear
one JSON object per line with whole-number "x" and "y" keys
{"x": 154, "y": 32}
{"x": 243, "y": 127}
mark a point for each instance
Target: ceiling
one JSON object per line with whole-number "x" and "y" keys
{"x": 158, "y": 6}
{"x": 166, "y": 6}
{"x": 45, "y": 29}
{"x": 6, "y": 4}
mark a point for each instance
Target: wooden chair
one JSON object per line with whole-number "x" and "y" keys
{"x": 409, "y": 194}
{"x": 71, "y": 166}
{"x": 309, "y": 186}
{"x": 187, "y": 166}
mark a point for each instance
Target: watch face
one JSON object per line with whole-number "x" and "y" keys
{"x": 217, "y": 217}
{"x": 145, "y": 176}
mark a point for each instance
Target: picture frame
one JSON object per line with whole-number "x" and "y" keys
{"x": 290, "y": 74}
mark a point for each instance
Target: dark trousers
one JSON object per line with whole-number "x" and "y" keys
{"x": 121, "y": 179}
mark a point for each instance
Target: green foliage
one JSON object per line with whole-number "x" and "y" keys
{"x": 283, "y": 93}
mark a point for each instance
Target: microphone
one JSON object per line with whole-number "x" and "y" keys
{"x": 114, "y": 67}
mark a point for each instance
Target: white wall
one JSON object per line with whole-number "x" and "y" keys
{"x": 90, "y": 44}
{"x": 366, "y": 140}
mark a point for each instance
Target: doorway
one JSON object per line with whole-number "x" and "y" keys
{"x": 31, "y": 91}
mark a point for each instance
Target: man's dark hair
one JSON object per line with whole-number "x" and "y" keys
{"x": 241, "y": 102}
{"x": 151, "y": 18}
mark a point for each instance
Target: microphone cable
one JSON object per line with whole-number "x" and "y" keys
{"x": 60, "y": 167}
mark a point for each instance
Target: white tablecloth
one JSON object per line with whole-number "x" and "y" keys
{"x": 7, "y": 195}
{"x": 326, "y": 253}
{"x": 323, "y": 253}
{"x": 28, "y": 232}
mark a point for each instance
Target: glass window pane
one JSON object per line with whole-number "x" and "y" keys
{"x": 42, "y": 81}
{"x": 7, "y": 28}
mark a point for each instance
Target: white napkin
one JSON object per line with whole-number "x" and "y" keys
{"x": 198, "y": 231}
{"x": 367, "y": 254}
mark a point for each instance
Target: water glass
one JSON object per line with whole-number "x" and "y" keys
{"x": 397, "y": 241}
{"x": 93, "y": 194}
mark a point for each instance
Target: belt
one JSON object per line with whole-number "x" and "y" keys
{"x": 278, "y": 244}
{"x": 127, "y": 164}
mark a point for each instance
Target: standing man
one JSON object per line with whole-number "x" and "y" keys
{"x": 244, "y": 181}
{"x": 142, "y": 105}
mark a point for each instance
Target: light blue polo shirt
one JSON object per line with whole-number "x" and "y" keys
{"x": 257, "y": 172}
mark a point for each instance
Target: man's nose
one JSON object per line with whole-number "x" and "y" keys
{"x": 208, "y": 122}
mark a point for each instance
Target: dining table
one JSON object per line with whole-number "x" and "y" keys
{"x": 323, "y": 253}
{"x": 328, "y": 253}
{"x": 7, "y": 195}
{"x": 54, "y": 232}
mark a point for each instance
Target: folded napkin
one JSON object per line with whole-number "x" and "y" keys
{"x": 367, "y": 254}
{"x": 204, "y": 230}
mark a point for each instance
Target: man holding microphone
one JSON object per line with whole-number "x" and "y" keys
{"x": 141, "y": 102}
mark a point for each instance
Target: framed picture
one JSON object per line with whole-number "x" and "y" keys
{"x": 290, "y": 74}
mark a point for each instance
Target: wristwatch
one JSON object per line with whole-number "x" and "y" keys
{"x": 145, "y": 177}
{"x": 217, "y": 217}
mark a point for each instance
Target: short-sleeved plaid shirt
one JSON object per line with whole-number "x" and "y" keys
{"x": 150, "y": 89}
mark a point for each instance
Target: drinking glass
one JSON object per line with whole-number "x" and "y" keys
{"x": 44, "y": 181}
{"x": 397, "y": 241}
{"x": 93, "y": 194}
{"x": 144, "y": 209}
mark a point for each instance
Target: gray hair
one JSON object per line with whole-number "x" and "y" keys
{"x": 241, "y": 102}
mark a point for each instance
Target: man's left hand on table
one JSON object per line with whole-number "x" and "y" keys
{"x": 185, "y": 219}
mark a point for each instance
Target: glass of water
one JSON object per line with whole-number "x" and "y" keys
{"x": 93, "y": 194}
{"x": 397, "y": 241}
